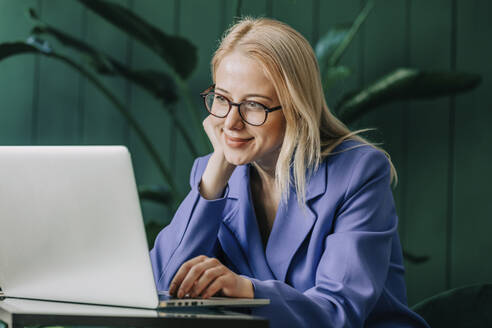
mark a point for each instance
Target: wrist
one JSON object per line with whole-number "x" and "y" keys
{"x": 219, "y": 161}
{"x": 215, "y": 176}
{"x": 248, "y": 290}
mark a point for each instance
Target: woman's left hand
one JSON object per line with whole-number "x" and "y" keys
{"x": 203, "y": 277}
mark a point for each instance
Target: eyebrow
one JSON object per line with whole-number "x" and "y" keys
{"x": 248, "y": 95}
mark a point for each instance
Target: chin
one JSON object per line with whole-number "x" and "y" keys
{"x": 237, "y": 159}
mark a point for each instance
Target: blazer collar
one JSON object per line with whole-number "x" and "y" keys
{"x": 314, "y": 187}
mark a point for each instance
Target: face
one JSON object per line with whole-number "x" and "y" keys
{"x": 239, "y": 78}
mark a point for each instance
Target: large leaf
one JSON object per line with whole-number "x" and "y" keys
{"x": 463, "y": 307}
{"x": 415, "y": 259}
{"x": 404, "y": 83}
{"x": 8, "y": 49}
{"x": 33, "y": 45}
{"x": 158, "y": 194}
{"x": 160, "y": 84}
{"x": 328, "y": 44}
{"x": 332, "y": 46}
{"x": 334, "y": 74}
{"x": 334, "y": 59}
{"x": 179, "y": 53}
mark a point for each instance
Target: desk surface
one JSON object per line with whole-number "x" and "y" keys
{"x": 20, "y": 312}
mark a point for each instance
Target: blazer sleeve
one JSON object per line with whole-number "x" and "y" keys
{"x": 352, "y": 271}
{"x": 192, "y": 231}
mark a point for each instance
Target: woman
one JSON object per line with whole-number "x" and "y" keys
{"x": 291, "y": 205}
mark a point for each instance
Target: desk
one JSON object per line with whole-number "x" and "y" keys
{"x": 17, "y": 313}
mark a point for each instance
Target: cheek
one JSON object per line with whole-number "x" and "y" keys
{"x": 270, "y": 140}
{"x": 218, "y": 123}
{"x": 277, "y": 131}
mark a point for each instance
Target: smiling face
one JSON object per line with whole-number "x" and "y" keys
{"x": 239, "y": 78}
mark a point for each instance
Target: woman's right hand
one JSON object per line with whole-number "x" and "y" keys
{"x": 212, "y": 128}
{"x": 218, "y": 170}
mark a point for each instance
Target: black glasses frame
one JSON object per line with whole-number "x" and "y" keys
{"x": 210, "y": 89}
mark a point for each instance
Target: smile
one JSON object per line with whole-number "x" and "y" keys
{"x": 236, "y": 142}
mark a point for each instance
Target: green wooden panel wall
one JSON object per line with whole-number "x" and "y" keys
{"x": 441, "y": 147}
{"x": 149, "y": 111}
{"x": 471, "y": 228}
{"x": 18, "y": 78}
{"x": 100, "y": 122}
{"x": 57, "y": 123}
{"x": 427, "y": 124}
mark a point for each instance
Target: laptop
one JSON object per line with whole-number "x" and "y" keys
{"x": 71, "y": 230}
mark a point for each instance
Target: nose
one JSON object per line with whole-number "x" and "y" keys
{"x": 233, "y": 120}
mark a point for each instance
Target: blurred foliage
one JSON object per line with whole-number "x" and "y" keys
{"x": 400, "y": 84}
{"x": 168, "y": 84}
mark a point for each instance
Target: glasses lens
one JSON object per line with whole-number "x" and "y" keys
{"x": 253, "y": 112}
{"x": 216, "y": 104}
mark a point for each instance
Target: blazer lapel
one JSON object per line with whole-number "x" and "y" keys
{"x": 293, "y": 224}
{"x": 244, "y": 227}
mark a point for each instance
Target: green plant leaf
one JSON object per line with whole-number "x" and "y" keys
{"x": 328, "y": 43}
{"x": 404, "y": 83}
{"x": 334, "y": 59}
{"x": 332, "y": 46}
{"x": 160, "y": 84}
{"x": 8, "y": 49}
{"x": 468, "y": 306}
{"x": 415, "y": 259}
{"x": 334, "y": 74}
{"x": 179, "y": 53}
{"x": 159, "y": 194}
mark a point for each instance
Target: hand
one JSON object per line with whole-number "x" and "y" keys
{"x": 204, "y": 277}
{"x": 218, "y": 170}
{"x": 212, "y": 127}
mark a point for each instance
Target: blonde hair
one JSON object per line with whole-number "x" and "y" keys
{"x": 288, "y": 60}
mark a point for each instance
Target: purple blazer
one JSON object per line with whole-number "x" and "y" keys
{"x": 335, "y": 263}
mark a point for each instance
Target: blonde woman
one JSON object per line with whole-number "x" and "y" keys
{"x": 291, "y": 205}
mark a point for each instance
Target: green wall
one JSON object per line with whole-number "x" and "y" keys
{"x": 441, "y": 148}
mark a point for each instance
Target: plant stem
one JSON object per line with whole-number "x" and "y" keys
{"x": 196, "y": 120}
{"x": 337, "y": 54}
{"x": 184, "y": 133}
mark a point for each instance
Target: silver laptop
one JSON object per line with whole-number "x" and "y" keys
{"x": 71, "y": 230}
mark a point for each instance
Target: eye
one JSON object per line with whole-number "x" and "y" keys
{"x": 220, "y": 98}
{"x": 252, "y": 105}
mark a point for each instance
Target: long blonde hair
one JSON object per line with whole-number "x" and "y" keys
{"x": 288, "y": 60}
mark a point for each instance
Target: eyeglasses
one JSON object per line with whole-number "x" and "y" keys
{"x": 251, "y": 112}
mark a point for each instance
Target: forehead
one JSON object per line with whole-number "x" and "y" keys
{"x": 237, "y": 72}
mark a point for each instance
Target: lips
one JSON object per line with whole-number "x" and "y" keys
{"x": 236, "y": 142}
{"x": 238, "y": 139}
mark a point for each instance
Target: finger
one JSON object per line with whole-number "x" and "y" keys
{"x": 194, "y": 274}
{"x": 216, "y": 286}
{"x": 183, "y": 271}
{"x": 211, "y": 126}
{"x": 206, "y": 279}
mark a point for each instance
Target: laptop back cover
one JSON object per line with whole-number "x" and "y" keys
{"x": 71, "y": 227}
